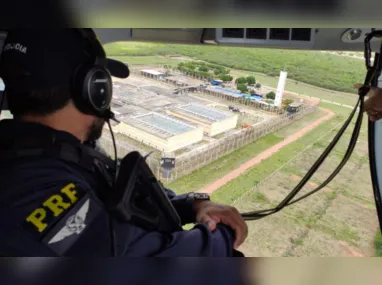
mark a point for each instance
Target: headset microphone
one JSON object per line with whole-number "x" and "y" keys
{"x": 109, "y": 115}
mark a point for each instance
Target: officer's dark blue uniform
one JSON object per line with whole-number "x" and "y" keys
{"x": 54, "y": 205}
{"x": 39, "y": 195}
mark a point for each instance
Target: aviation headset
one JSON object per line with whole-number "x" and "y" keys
{"x": 92, "y": 87}
{"x": 91, "y": 84}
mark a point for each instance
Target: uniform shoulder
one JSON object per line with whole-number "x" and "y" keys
{"x": 55, "y": 218}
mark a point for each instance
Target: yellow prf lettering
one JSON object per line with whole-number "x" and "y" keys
{"x": 56, "y": 205}
{"x": 70, "y": 192}
{"x": 36, "y": 218}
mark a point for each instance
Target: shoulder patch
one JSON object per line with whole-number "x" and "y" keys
{"x": 52, "y": 209}
{"x": 68, "y": 230}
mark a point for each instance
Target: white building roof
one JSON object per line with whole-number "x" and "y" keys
{"x": 153, "y": 72}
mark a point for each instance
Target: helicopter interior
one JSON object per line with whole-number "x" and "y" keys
{"x": 336, "y": 39}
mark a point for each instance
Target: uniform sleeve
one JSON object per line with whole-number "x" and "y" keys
{"x": 60, "y": 215}
{"x": 198, "y": 242}
{"x": 183, "y": 206}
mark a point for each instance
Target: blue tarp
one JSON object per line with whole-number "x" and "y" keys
{"x": 229, "y": 91}
{"x": 256, "y": 97}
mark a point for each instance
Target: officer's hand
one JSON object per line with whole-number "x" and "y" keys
{"x": 373, "y": 105}
{"x": 210, "y": 213}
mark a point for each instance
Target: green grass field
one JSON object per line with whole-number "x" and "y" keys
{"x": 336, "y": 221}
{"x": 313, "y": 228}
{"x": 206, "y": 175}
{"x": 148, "y": 60}
{"x": 378, "y": 245}
{"x": 232, "y": 190}
{"x": 311, "y": 67}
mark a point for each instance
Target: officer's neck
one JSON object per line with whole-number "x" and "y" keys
{"x": 68, "y": 119}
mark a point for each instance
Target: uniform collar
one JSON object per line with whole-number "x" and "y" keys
{"x": 12, "y": 127}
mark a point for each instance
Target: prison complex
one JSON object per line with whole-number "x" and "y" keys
{"x": 152, "y": 73}
{"x": 213, "y": 121}
{"x": 160, "y": 131}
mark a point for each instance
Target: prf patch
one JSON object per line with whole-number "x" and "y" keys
{"x": 52, "y": 209}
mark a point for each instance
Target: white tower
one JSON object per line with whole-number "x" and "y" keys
{"x": 280, "y": 88}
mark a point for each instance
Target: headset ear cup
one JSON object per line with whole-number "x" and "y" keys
{"x": 92, "y": 89}
{"x": 78, "y": 97}
{"x": 99, "y": 88}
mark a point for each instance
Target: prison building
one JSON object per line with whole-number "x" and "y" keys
{"x": 213, "y": 121}
{"x": 175, "y": 81}
{"x": 152, "y": 74}
{"x": 160, "y": 131}
{"x": 294, "y": 107}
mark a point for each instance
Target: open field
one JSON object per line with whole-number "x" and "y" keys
{"x": 378, "y": 245}
{"x": 311, "y": 67}
{"x": 339, "y": 220}
{"x": 292, "y": 85}
{"x": 206, "y": 175}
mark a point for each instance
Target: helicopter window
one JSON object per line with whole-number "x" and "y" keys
{"x": 233, "y": 33}
{"x": 279, "y": 34}
{"x": 260, "y": 34}
{"x": 301, "y": 34}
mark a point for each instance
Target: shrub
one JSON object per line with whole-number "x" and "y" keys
{"x": 240, "y": 81}
{"x": 287, "y": 101}
{"x": 225, "y": 77}
{"x": 203, "y": 68}
{"x": 242, "y": 88}
{"x": 271, "y": 95}
{"x": 251, "y": 80}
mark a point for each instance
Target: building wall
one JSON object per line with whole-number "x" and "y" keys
{"x": 163, "y": 144}
{"x": 211, "y": 129}
{"x": 140, "y": 135}
{"x": 193, "y": 119}
{"x": 185, "y": 139}
{"x": 223, "y": 126}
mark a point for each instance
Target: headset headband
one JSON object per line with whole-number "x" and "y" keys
{"x": 97, "y": 49}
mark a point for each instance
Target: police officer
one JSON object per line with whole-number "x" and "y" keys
{"x": 54, "y": 207}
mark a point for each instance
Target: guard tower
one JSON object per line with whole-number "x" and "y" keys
{"x": 280, "y": 88}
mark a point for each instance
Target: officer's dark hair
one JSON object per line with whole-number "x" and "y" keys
{"x": 37, "y": 101}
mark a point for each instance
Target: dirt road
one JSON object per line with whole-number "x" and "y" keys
{"x": 264, "y": 155}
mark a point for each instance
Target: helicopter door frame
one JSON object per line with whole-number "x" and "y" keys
{"x": 375, "y": 160}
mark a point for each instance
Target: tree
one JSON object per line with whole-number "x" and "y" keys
{"x": 225, "y": 77}
{"x": 242, "y": 88}
{"x": 271, "y": 95}
{"x": 251, "y": 80}
{"x": 287, "y": 101}
{"x": 258, "y": 85}
{"x": 240, "y": 80}
{"x": 204, "y": 74}
{"x": 203, "y": 68}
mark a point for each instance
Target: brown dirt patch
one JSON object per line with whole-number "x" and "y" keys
{"x": 352, "y": 252}
{"x": 295, "y": 177}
